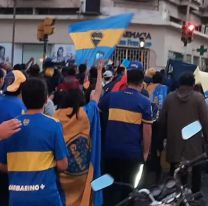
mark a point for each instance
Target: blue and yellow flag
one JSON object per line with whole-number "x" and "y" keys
{"x": 96, "y": 39}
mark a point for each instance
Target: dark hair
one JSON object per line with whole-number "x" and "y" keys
{"x": 69, "y": 71}
{"x": 107, "y": 78}
{"x": 2, "y": 74}
{"x": 157, "y": 78}
{"x": 74, "y": 99}
{"x": 120, "y": 70}
{"x": 17, "y": 67}
{"x": 187, "y": 79}
{"x": 82, "y": 68}
{"x": 93, "y": 72}
{"x": 135, "y": 76}
{"x": 34, "y": 93}
{"x": 34, "y": 70}
{"x": 14, "y": 93}
{"x": 47, "y": 63}
{"x": 20, "y": 67}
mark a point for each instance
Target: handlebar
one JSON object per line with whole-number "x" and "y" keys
{"x": 194, "y": 161}
{"x": 185, "y": 165}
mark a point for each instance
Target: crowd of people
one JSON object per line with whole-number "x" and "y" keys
{"x": 61, "y": 126}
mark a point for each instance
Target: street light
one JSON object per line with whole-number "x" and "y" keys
{"x": 13, "y": 29}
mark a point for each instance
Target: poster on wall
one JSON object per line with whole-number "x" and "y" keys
{"x": 5, "y": 52}
{"x": 63, "y": 54}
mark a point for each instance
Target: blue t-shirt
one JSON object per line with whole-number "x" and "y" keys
{"x": 10, "y": 107}
{"x": 127, "y": 110}
{"x": 31, "y": 157}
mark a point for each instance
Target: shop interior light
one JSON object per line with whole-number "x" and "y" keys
{"x": 142, "y": 43}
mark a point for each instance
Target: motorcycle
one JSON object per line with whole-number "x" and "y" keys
{"x": 172, "y": 192}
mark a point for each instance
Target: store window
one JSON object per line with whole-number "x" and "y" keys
{"x": 175, "y": 55}
{"x": 35, "y": 51}
{"x": 196, "y": 60}
{"x": 132, "y": 54}
{"x": 204, "y": 64}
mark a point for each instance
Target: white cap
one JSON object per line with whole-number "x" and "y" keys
{"x": 108, "y": 74}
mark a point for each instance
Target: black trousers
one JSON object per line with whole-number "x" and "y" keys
{"x": 122, "y": 171}
{"x": 4, "y": 193}
{"x": 195, "y": 178}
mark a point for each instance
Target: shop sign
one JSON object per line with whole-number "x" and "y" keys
{"x": 132, "y": 39}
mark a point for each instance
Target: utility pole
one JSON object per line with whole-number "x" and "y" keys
{"x": 45, "y": 44}
{"x": 13, "y": 29}
{"x": 187, "y": 20}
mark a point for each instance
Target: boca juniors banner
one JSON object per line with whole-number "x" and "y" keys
{"x": 96, "y": 39}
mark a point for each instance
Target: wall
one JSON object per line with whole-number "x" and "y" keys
{"x": 42, "y": 3}
{"x": 26, "y": 31}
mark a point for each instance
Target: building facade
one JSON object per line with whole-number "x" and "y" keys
{"x": 157, "y": 22}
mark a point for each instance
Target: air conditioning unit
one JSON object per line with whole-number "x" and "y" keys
{"x": 90, "y": 7}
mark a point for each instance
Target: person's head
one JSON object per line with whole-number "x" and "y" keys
{"x": 150, "y": 72}
{"x": 6, "y": 67}
{"x": 34, "y": 93}
{"x": 74, "y": 99}
{"x": 2, "y": 75}
{"x": 60, "y": 52}
{"x": 68, "y": 71}
{"x": 82, "y": 68}
{"x": 135, "y": 78}
{"x": 108, "y": 76}
{"x": 34, "y": 70}
{"x": 93, "y": 72}
{"x": 198, "y": 88}
{"x": 2, "y": 52}
{"x": 13, "y": 82}
{"x": 120, "y": 70}
{"x": 21, "y": 67}
{"x": 187, "y": 79}
{"x": 157, "y": 78}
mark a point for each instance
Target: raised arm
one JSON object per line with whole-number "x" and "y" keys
{"x": 96, "y": 94}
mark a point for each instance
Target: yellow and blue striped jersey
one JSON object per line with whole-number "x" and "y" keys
{"x": 31, "y": 157}
{"x": 127, "y": 111}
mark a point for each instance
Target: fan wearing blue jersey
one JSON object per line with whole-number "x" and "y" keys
{"x": 11, "y": 106}
{"x": 35, "y": 154}
{"x": 128, "y": 131}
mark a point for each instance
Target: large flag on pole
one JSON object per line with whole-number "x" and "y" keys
{"x": 96, "y": 39}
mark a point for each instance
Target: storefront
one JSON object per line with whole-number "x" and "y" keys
{"x": 161, "y": 42}
{"x": 133, "y": 46}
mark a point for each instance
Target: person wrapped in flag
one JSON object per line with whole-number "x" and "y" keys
{"x": 82, "y": 135}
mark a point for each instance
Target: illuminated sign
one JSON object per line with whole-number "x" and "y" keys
{"x": 132, "y": 39}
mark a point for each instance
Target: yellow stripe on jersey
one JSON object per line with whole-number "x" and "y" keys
{"x": 30, "y": 161}
{"x": 126, "y": 116}
{"x": 56, "y": 120}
